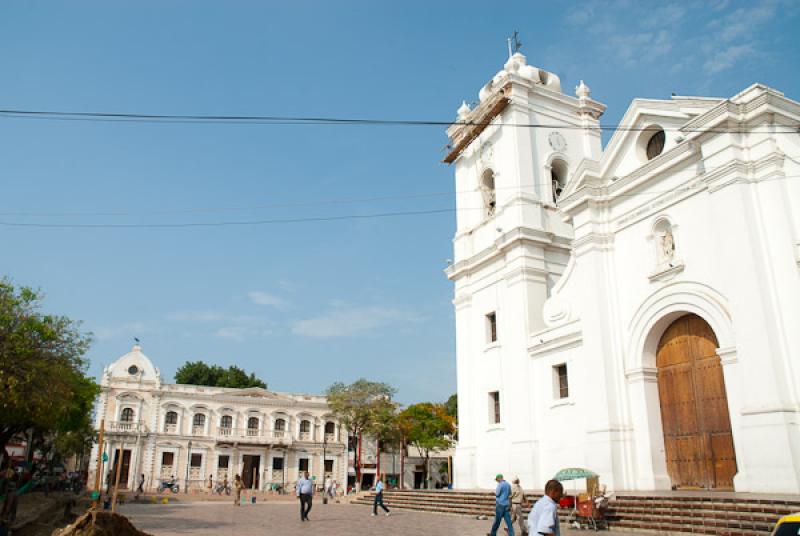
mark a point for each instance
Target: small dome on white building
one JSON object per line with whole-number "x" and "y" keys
{"x": 134, "y": 365}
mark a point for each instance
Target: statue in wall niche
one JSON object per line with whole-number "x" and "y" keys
{"x": 667, "y": 246}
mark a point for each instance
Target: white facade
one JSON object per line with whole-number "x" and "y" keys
{"x": 161, "y": 427}
{"x": 591, "y": 275}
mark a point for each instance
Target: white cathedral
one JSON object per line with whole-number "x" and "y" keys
{"x": 633, "y": 309}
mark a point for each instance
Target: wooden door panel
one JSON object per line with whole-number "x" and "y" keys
{"x": 677, "y": 405}
{"x": 691, "y": 464}
{"x": 702, "y": 341}
{"x": 694, "y": 406}
{"x": 724, "y": 459}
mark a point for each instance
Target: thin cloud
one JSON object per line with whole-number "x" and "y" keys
{"x": 234, "y": 333}
{"x": 349, "y": 321}
{"x": 637, "y": 35}
{"x": 727, "y": 58}
{"x": 195, "y": 317}
{"x": 264, "y": 298}
{"x": 243, "y": 327}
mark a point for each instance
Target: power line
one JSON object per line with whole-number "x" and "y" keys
{"x": 308, "y": 219}
{"x": 310, "y": 120}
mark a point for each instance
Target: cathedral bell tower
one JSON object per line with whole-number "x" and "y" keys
{"x": 513, "y": 154}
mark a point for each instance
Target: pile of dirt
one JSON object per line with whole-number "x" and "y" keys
{"x": 100, "y": 523}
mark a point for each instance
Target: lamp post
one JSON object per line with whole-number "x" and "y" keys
{"x": 324, "y": 476}
{"x": 188, "y": 461}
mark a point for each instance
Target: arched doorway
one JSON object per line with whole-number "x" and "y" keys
{"x": 694, "y": 407}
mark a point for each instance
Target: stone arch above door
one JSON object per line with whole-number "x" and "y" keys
{"x": 664, "y": 306}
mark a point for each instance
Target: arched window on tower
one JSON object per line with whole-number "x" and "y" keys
{"x": 488, "y": 193}
{"x": 558, "y": 177}
{"x": 127, "y": 415}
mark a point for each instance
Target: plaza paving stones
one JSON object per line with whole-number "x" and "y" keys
{"x": 218, "y": 519}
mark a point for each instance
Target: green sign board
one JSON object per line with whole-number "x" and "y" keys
{"x": 105, "y": 457}
{"x": 95, "y": 495}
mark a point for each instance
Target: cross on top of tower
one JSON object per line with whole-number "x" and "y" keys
{"x": 514, "y": 44}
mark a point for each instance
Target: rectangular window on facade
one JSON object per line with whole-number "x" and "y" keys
{"x": 167, "y": 458}
{"x": 561, "y": 381}
{"x": 303, "y": 464}
{"x": 494, "y": 407}
{"x": 223, "y": 461}
{"x": 197, "y": 460}
{"x": 328, "y": 466}
{"x": 277, "y": 464}
{"x": 491, "y": 327}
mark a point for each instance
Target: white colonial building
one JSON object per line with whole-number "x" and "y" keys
{"x": 194, "y": 432}
{"x": 633, "y": 309}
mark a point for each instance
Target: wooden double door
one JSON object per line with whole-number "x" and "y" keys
{"x": 124, "y": 471}
{"x": 694, "y": 407}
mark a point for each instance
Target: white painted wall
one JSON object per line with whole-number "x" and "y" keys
{"x": 733, "y": 201}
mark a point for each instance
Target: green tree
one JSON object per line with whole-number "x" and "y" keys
{"x": 384, "y": 427}
{"x": 357, "y": 406}
{"x": 42, "y": 368}
{"x": 451, "y": 406}
{"x": 427, "y": 427}
{"x": 199, "y": 373}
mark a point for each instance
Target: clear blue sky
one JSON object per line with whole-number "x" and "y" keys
{"x": 301, "y": 304}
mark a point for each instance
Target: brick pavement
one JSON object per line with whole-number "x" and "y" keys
{"x": 217, "y": 519}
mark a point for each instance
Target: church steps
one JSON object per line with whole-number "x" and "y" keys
{"x": 719, "y": 514}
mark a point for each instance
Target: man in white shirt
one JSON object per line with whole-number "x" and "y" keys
{"x": 543, "y": 519}
{"x": 304, "y": 490}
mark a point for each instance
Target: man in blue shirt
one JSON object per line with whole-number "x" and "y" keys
{"x": 304, "y": 490}
{"x": 502, "y": 508}
{"x": 379, "y": 498}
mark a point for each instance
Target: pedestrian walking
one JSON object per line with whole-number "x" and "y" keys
{"x": 502, "y": 506}
{"x": 517, "y": 499}
{"x": 210, "y": 485}
{"x": 543, "y": 519}
{"x": 304, "y": 491}
{"x": 379, "y": 498}
{"x": 140, "y": 489}
{"x": 237, "y": 490}
{"x": 327, "y": 487}
{"x": 335, "y": 491}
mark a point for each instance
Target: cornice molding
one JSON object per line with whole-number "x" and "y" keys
{"x": 511, "y": 239}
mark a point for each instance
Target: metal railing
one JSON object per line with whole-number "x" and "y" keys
{"x": 253, "y": 434}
